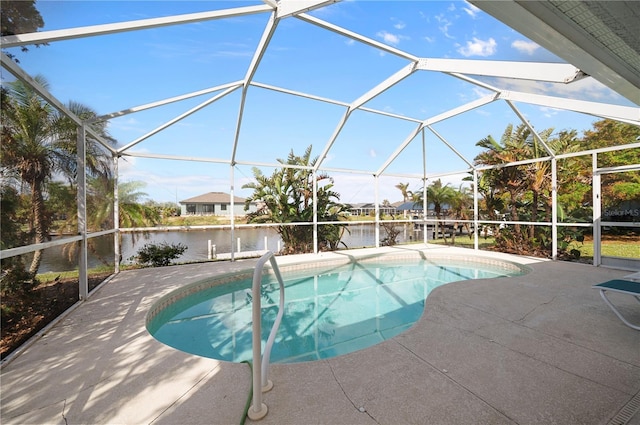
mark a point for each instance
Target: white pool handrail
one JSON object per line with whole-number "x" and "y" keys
{"x": 261, "y": 382}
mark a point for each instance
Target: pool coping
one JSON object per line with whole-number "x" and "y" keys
{"x": 406, "y": 256}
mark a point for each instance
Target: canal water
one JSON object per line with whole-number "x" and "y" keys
{"x": 197, "y": 241}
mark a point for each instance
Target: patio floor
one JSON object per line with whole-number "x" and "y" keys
{"x": 542, "y": 348}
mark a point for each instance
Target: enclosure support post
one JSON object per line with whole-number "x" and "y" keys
{"x": 116, "y": 216}
{"x": 424, "y": 185}
{"x": 554, "y": 208}
{"x": 475, "y": 210}
{"x": 233, "y": 222}
{"x": 377, "y": 211}
{"x": 596, "y": 188}
{"x": 315, "y": 212}
{"x": 83, "y": 283}
{"x": 425, "y": 204}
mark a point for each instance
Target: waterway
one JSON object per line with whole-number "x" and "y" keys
{"x": 197, "y": 241}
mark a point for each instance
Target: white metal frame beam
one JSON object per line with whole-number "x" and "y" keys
{"x": 603, "y": 110}
{"x": 289, "y": 8}
{"x": 450, "y": 146}
{"x": 357, "y": 37}
{"x": 535, "y": 71}
{"x": 383, "y": 86}
{"x": 163, "y": 102}
{"x": 526, "y": 122}
{"x": 94, "y": 30}
{"x": 267, "y": 34}
{"x": 177, "y": 119}
{"x": 440, "y": 117}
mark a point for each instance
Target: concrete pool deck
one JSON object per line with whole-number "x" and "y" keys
{"x": 542, "y": 348}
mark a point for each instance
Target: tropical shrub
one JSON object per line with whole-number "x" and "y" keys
{"x": 159, "y": 255}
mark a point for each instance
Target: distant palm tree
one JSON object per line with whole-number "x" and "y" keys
{"x": 438, "y": 195}
{"x": 404, "y": 188}
{"x": 461, "y": 207}
{"x": 132, "y": 210}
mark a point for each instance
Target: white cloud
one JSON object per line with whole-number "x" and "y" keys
{"x": 548, "y": 112}
{"x": 163, "y": 186}
{"x": 392, "y": 39}
{"x": 481, "y": 92}
{"x": 125, "y": 124}
{"x": 373, "y": 153}
{"x": 127, "y": 166}
{"x": 444, "y": 25}
{"x": 399, "y": 25}
{"x": 479, "y": 47}
{"x": 528, "y": 47}
{"x": 471, "y": 10}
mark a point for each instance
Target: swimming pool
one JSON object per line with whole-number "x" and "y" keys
{"x": 330, "y": 309}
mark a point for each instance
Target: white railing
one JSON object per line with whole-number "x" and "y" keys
{"x": 261, "y": 382}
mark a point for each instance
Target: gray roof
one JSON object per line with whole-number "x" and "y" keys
{"x": 213, "y": 198}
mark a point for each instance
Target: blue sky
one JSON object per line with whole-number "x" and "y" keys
{"x": 114, "y": 72}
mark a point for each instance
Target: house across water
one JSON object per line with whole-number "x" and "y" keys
{"x": 215, "y": 203}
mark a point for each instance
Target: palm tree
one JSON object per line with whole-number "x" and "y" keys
{"x": 530, "y": 183}
{"x": 31, "y": 152}
{"x": 97, "y": 161}
{"x": 37, "y": 143}
{"x": 439, "y": 195}
{"x": 511, "y": 179}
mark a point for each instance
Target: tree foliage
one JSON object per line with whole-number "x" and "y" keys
{"x": 523, "y": 192}
{"x": 14, "y": 277}
{"x": 19, "y": 17}
{"x": 286, "y": 197}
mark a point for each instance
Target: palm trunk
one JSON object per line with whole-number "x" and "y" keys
{"x": 39, "y": 225}
{"x": 515, "y": 217}
{"x": 534, "y": 215}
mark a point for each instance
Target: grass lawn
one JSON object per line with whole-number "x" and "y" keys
{"x": 625, "y": 247}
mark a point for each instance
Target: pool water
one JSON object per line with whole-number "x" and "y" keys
{"x": 328, "y": 312}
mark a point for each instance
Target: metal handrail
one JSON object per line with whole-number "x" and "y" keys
{"x": 261, "y": 382}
